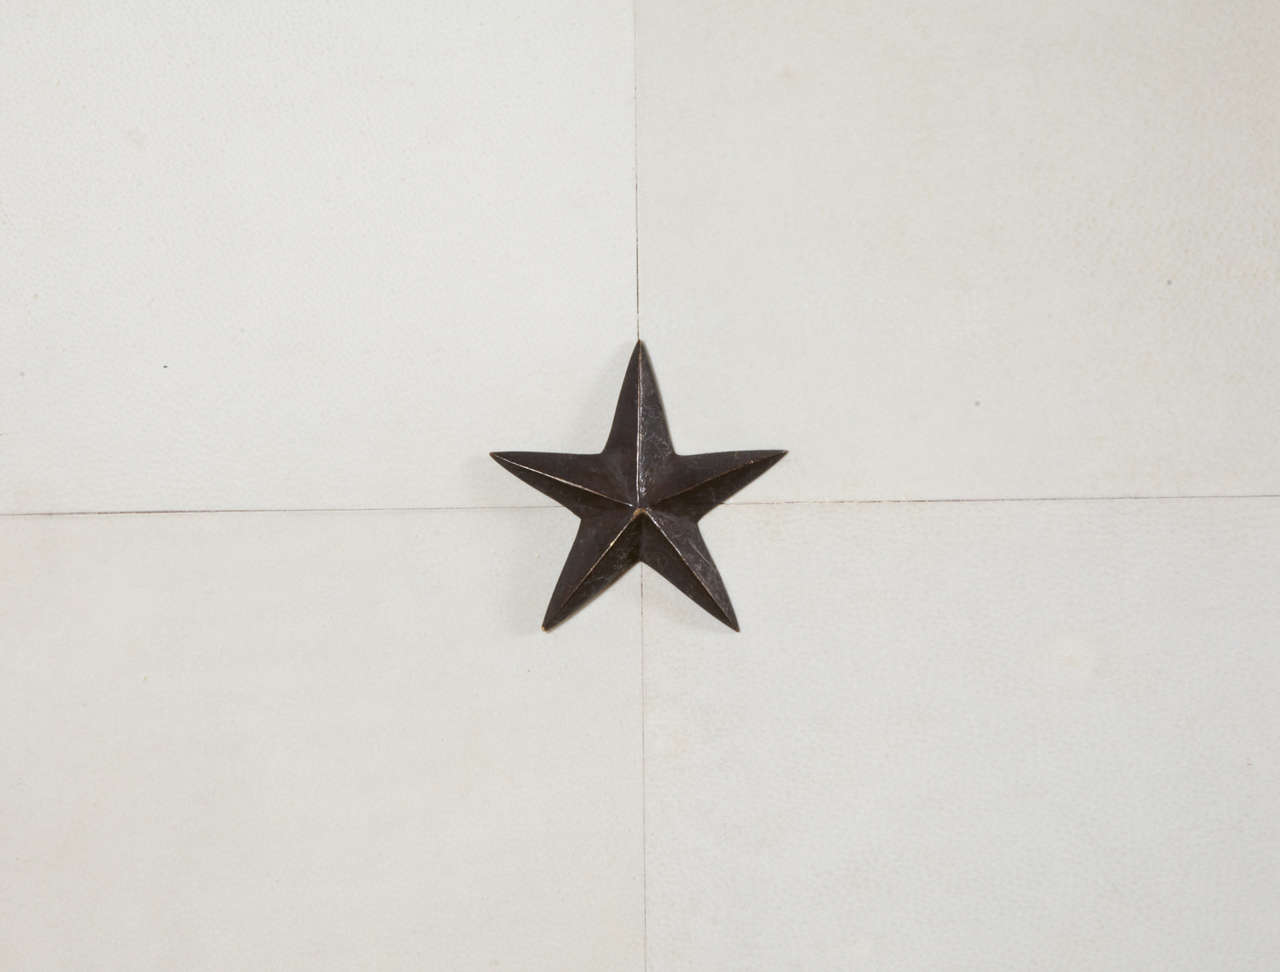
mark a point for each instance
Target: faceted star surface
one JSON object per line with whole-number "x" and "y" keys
{"x": 639, "y": 501}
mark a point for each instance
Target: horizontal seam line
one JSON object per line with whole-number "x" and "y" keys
{"x": 288, "y": 509}
{"x": 829, "y": 502}
{"x": 1011, "y": 499}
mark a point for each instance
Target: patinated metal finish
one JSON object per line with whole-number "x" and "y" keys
{"x": 639, "y": 501}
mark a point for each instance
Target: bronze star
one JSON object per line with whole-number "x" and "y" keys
{"x": 638, "y": 501}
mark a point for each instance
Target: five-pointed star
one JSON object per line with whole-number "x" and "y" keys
{"x": 639, "y": 501}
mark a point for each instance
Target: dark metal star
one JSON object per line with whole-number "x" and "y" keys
{"x": 639, "y": 501}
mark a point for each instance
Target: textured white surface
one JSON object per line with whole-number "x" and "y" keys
{"x": 272, "y": 255}
{"x": 971, "y": 736}
{"x": 977, "y": 249}
{"x": 280, "y": 256}
{"x": 313, "y": 741}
